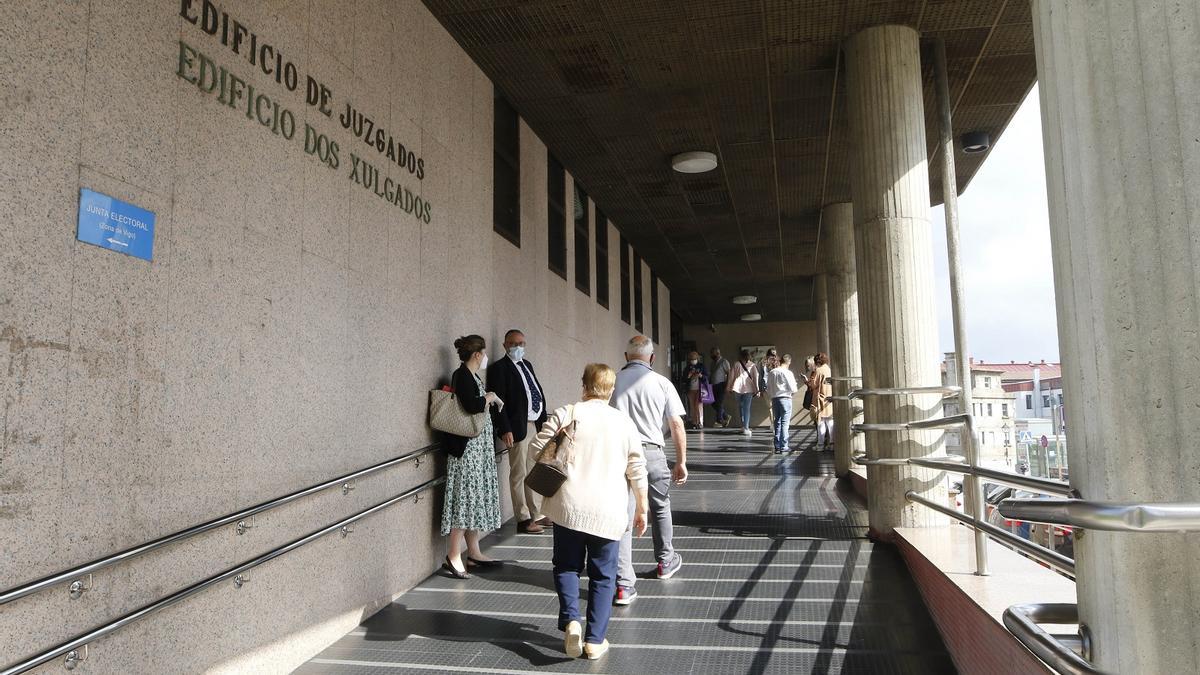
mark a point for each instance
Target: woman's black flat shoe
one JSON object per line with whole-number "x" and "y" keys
{"x": 453, "y": 572}
{"x": 485, "y": 563}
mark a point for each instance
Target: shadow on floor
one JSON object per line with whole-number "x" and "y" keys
{"x": 397, "y": 622}
{"x": 511, "y": 572}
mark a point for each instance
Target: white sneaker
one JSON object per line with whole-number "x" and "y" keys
{"x": 594, "y": 652}
{"x": 746, "y": 432}
{"x": 573, "y": 645}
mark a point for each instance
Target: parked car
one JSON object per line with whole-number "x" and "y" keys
{"x": 1059, "y": 538}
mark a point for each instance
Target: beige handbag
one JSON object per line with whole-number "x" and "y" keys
{"x": 447, "y": 414}
{"x": 550, "y": 471}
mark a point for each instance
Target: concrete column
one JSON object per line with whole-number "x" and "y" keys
{"x": 894, "y": 264}
{"x": 837, "y": 227}
{"x": 821, "y": 299}
{"x": 1120, "y": 81}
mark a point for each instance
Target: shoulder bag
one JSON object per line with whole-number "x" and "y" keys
{"x": 550, "y": 470}
{"x": 706, "y": 391}
{"x": 447, "y": 414}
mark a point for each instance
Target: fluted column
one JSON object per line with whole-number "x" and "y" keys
{"x": 821, "y": 300}
{"x": 894, "y": 256}
{"x": 1120, "y": 84}
{"x": 837, "y": 230}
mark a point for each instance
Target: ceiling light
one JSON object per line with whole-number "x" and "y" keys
{"x": 694, "y": 162}
{"x": 745, "y": 299}
{"x": 976, "y": 141}
{"x": 751, "y": 317}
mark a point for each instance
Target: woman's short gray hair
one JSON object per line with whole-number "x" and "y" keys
{"x": 640, "y": 345}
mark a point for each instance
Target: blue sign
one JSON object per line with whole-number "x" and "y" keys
{"x": 111, "y": 223}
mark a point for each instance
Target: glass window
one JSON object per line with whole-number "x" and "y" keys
{"x": 506, "y": 171}
{"x": 653, "y": 306}
{"x": 989, "y": 408}
{"x": 987, "y": 381}
{"x": 639, "y": 304}
{"x": 601, "y": 259}
{"x": 626, "y": 312}
{"x": 583, "y": 252}
{"x": 1045, "y": 401}
{"x": 1004, "y": 410}
{"x": 1060, "y": 399}
{"x": 556, "y": 188}
{"x": 1029, "y": 401}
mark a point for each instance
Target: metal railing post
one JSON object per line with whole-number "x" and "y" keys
{"x": 974, "y": 501}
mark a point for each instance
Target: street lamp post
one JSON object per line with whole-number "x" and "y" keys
{"x": 1007, "y": 444}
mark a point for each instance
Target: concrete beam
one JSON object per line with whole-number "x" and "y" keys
{"x": 821, "y": 299}
{"x": 837, "y": 225}
{"x": 894, "y": 256}
{"x": 1120, "y": 81}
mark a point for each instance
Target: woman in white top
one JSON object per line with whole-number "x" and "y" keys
{"x": 743, "y": 381}
{"x": 590, "y": 510}
{"x": 781, "y": 384}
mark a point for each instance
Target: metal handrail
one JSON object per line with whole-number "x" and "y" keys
{"x": 87, "y": 568}
{"x": 231, "y": 573}
{"x": 1051, "y": 558}
{"x": 905, "y": 391}
{"x": 879, "y": 461}
{"x": 1031, "y": 483}
{"x": 1111, "y": 516}
{"x": 947, "y": 422}
{"x": 1022, "y": 621}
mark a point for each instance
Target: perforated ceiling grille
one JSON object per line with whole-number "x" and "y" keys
{"x": 616, "y": 87}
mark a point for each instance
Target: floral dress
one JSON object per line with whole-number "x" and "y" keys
{"x": 472, "y": 487}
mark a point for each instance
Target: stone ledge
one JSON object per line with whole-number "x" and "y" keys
{"x": 968, "y": 608}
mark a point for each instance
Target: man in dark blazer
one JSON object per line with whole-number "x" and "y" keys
{"x": 524, "y": 413}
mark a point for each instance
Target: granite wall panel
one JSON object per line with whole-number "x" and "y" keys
{"x": 286, "y": 332}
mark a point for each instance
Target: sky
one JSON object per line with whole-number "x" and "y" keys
{"x": 1005, "y": 249}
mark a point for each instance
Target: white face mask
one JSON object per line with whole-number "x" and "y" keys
{"x": 516, "y": 353}
{"x": 693, "y": 362}
{"x": 483, "y": 362}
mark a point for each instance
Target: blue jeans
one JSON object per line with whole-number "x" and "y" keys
{"x": 744, "y": 401}
{"x": 571, "y": 549}
{"x": 783, "y": 416}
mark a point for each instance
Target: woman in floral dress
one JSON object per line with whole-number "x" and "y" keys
{"x": 472, "y": 504}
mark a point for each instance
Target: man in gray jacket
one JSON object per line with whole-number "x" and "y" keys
{"x": 652, "y": 402}
{"x": 718, "y": 377}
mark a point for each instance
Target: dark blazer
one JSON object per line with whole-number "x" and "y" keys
{"x": 507, "y": 382}
{"x": 467, "y": 392}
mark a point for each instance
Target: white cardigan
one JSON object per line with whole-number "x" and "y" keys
{"x": 607, "y": 460}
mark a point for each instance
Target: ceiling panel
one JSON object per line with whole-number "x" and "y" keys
{"x": 616, "y": 87}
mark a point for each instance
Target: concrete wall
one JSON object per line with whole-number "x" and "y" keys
{"x": 286, "y": 332}
{"x": 798, "y": 338}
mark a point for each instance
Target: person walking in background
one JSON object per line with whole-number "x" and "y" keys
{"x": 651, "y": 402}
{"x": 720, "y": 375}
{"x": 515, "y": 381}
{"x": 810, "y": 365}
{"x": 765, "y": 366}
{"x": 768, "y": 363}
{"x": 821, "y": 407}
{"x": 781, "y": 385}
{"x": 589, "y": 509}
{"x": 743, "y": 382}
{"x": 695, "y": 375}
{"x": 472, "y": 497}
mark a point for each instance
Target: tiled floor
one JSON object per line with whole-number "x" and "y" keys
{"x": 778, "y": 577}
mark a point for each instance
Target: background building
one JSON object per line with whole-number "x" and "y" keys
{"x": 993, "y": 410}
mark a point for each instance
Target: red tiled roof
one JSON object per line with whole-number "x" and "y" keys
{"x": 1027, "y": 385}
{"x": 1022, "y": 371}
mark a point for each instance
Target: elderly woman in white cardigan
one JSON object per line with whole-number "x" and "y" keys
{"x": 590, "y": 510}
